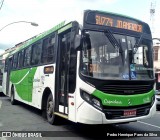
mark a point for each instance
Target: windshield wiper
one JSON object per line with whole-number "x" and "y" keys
{"x": 113, "y": 40}
{"x": 137, "y": 44}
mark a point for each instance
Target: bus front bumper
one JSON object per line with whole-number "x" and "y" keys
{"x": 87, "y": 114}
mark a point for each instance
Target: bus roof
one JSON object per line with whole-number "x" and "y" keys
{"x": 117, "y": 14}
{"x": 38, "y": 37}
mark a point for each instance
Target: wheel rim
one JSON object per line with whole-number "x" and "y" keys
{"x": 50, "y": 109}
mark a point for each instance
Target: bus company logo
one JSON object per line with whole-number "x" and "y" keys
{"x": 112, "y": 102}
{"x": 129, "y": 102}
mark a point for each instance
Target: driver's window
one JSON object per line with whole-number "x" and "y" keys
{"x": 145, "y": 54}
{"x": 93, "y": 54}
{"x": 138, "y": 57}
{"x": 86, "y": 48}
{"x": 141, "y": 56}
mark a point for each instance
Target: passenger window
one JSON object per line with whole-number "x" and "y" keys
{"x": 15, "y": 61}
{"x": 48, "y": 49}
{"x": 6, "y": 65}
{"x": 36, "y": 54}
{"x": 20, "y": 59}
{"x": 27, "y": 57}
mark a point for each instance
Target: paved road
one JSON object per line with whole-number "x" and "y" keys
{"x": 24, "y": 118}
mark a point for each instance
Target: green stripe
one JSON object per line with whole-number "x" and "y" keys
{"x": 123, "y": 100}
{"x": 64, "y": 28}
{"x": 23, "y": 82}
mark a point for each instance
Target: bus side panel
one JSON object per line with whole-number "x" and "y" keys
{"x": 76, "y": 98}
{"x": 44, "y": 81}
{"x": 72, "y": 100}
{"x": 23, "y": 84}
{"x": 29, "y": 84}
{"x": 37, "y": 89}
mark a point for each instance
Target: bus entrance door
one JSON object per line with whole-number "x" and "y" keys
{"x": 62, "y": 73}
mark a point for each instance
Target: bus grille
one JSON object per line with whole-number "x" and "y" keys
{"x": 117, "y": 113}
{"x": 125, "y": 89}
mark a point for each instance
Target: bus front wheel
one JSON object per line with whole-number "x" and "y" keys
{"x": 51, "y": 118}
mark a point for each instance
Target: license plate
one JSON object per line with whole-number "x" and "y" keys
{"x": 128, "y": 113}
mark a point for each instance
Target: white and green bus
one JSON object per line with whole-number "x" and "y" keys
{"x": 97, "y": 72}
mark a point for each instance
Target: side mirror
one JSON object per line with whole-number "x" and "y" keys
{"x": 77, "y": 41}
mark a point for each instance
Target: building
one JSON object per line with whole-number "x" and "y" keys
{"x": 156, "y": 51}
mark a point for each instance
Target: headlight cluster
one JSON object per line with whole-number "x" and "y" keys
{"x": 157, "y": 92}
{"x": 91, "y": 100}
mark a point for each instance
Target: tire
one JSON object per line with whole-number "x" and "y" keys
{"x": 13, "y": 101}
{"x": 50, "y": 106}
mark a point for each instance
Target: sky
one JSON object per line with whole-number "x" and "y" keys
{"x": 48, "y": 13}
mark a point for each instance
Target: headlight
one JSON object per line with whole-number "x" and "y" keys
{"x": 96, "y": 103}
{"x": 157, "y": 92}
{"x": 91, "y": 100}
{"x": 86, "y": 97}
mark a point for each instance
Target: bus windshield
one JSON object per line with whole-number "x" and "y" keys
{"x": 116, "y": 58}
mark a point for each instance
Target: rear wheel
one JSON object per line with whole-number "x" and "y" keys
{"x": 13, "y": 101}
{"x": 51, "y": 117}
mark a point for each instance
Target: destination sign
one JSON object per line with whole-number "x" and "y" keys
{"x": 114, "y": 21}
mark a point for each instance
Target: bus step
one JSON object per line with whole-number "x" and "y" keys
{"x": 61, "y": 115}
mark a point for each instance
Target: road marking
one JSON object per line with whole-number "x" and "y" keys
{"x": 3, "y": 138}
{"x": 149, "y": 124}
